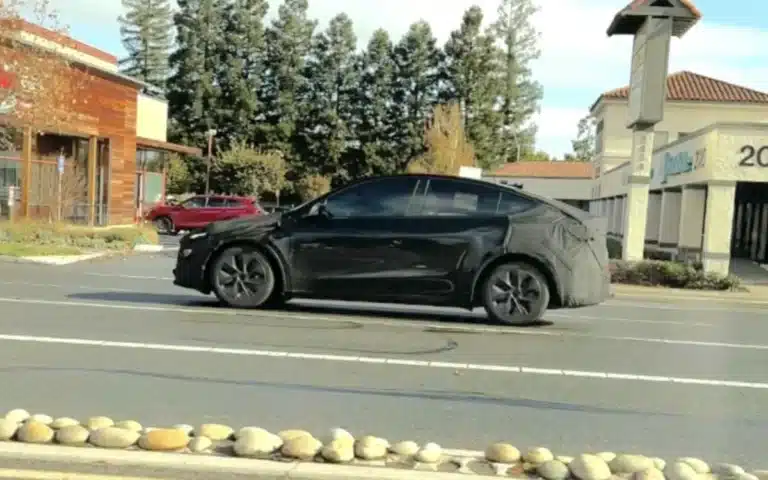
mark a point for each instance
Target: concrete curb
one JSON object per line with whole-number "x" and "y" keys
{"x": 168, "y": 463}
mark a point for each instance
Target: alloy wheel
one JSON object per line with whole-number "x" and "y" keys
{"x": 243, "y": 278}
{"x": 516, "y": 294}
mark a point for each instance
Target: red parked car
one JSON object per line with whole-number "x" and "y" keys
{"x": 199, "y": 211}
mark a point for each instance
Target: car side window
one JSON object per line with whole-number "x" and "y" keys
{"x": 217, "y": 202}
{"x": 457, "y": 198}
{"x": 194, "y": 202}
{"x": 379, "y": 198}
{"x": 232, "y": 203}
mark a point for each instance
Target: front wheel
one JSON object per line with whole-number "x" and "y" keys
{"x": 242, "y": 277}
{"x": 515, "y": 293}
{"x": 164, "y": 225}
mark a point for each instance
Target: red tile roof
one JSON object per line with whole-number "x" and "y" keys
{"x": 560, "y": 169}
{"x": 692, "y": 87}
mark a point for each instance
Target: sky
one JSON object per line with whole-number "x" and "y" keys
{"x": 577, "y": 63}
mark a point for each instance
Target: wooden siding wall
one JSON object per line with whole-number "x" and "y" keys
{"x": 106, "y": 109}
{"x": 110, "y": 113}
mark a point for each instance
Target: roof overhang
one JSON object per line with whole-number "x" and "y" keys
{"x": 168, "y": 146}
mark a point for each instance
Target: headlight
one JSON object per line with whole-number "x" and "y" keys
{"x": 195, "y": 236}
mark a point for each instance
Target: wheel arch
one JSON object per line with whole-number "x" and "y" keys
{"x": 555, "y": 290}
{"x": 282, "y": 281}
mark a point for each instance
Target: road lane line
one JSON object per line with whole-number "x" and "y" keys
{"x": 162, "y": 347}
{"x": 133, "y": 277}
{"x": 395, "y": 324}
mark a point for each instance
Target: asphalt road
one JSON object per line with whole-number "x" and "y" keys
{"x": 114, "y": 337}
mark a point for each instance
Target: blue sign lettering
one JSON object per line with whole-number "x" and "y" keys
{"x": 682, "y": 162}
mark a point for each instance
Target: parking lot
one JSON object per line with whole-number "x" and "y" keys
{"x": 114, "y": 337}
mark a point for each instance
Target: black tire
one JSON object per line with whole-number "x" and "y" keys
{"x": 242, "y": 277}
{"x": 165, "y": 225}
{"x": 515, "y": 293}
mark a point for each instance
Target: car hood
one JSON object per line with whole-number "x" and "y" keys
{"x": 244, "y": 225}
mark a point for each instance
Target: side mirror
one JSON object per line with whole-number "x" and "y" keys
{"x": 319, "y": 210}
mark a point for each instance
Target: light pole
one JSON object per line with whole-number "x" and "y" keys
{"x": 210, "y": 133}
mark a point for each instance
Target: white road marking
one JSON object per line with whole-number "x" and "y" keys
{"x": 162, "y": 347}
{"x": 403, "y": 324}
{"x": 133, "y": 277}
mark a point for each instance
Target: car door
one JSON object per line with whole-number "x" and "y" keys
{"x": 187, "y": 214}
{"x": 358, "y": 251}
{"x": 460, "y": 224}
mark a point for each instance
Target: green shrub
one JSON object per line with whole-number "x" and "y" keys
{"x": 62, "y": 235}
{"x": 658, "y": 273}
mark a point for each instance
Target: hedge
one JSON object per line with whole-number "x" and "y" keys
{"x": 81, "y": 237}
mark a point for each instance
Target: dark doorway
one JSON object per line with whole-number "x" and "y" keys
{"x": 749, "y": 237}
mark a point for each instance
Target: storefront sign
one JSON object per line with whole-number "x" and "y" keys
{"x": 682, "y": 162}
{"x": 752, "y": 156}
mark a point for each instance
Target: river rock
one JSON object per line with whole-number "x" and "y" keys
{"x": 72, "y": 435}
{"x": 407, "y": 448}
{"x": 199, "y": 444}
{"x": 727, "y": 470}
{"x": 164, "y": 440}
{"x": 589, "y": 467}
{"x": 680, "y": 471}
{"x": 62, "y": 422}
{"x": 429, "y": 453}
{"x": 183, "y": 426}
{"x": 502, "y": 453}
{"x": 293, "y": 433}
{"x": 17, "y": 415}
{"x": 340, "y": 450}
{"x": 35, "y": 432}
{"x": 626, "y": 463}
{"x": 97, "y": 423}
{"x": 301, "y": 447}
{"x": 112, "y": 437}
{"x": 131, "y": 425}
{"x": 371, "y": 448}
{"x": 659, "y": 463}
{"x": 41, "y": 418}
{"x": 215, "y": 431}
{"x": 553, "y": 470}
{"x": 699, "y": 465}
{"x": 607, "y": 456}
{"x": 256, "y": 442}
{"x": 538, "y": 455}
{"x": 336, "y": 434}
{"x": 8, "y": 429}
{"x": 651, "y": 473}
{"x": 564, "y": 458}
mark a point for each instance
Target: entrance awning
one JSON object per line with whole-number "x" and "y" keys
{"x": 167, "y": 146}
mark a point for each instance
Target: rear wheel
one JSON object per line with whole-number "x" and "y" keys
{"x": 242, "y": 277}
{"x": 515, "y": 293}
{"x": 165, "y": 225}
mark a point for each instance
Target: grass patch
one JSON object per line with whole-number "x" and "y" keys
{"x": 31, "y": 250}
{"x": 75, "y": 237}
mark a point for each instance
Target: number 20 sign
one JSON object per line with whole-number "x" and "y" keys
{"x": 752, "y": 156}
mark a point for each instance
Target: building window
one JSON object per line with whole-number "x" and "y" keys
{"x": 150, "y": 160}
{"x": 599, "y": 137}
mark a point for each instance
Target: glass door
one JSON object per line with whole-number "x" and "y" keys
{"x": 102, "y": 182}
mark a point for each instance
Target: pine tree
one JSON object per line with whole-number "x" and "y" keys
{"x": 417, "y": 62}
{"x": 471, "y": 76}
{"x": 521, "y": 94}
{"x": 289, "y": 40}
{"x": 146, "y": 29}
{"x": 193, "y": 94}
{"x": 324, "y": 130}
{"x": 374, "y": 121}
{"x": 241, "y": 70}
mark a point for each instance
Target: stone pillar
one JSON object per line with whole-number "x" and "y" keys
{"x": 718, "y": 226}
{"x": 636, "y": 201}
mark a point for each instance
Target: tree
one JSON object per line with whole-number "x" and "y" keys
{"x": 324, "y": 130}
{"x": 470, "y": 73}
{"x": 520, "y": 94}
{"x": 447, "y": 146}
{"x": 288, "y": 44}
{"x": 374, "y": 122}
{"x": 312, "y": 186}
{"x": 271, "y": 169}
{"x": 245, "y": 170}
{"x": 241, "y": 70}
{"x": 417, "y": 63}
{"x": 536, "y": 156}
{"x": 39, "y": 87}
{"x": 146, "y": 29}
{"x": 178, "y": 177}
{"x": 193, "y": 93}
{"x": 585, "y": 144}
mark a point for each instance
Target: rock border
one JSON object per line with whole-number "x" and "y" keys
{"x": 339, "y": 447}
